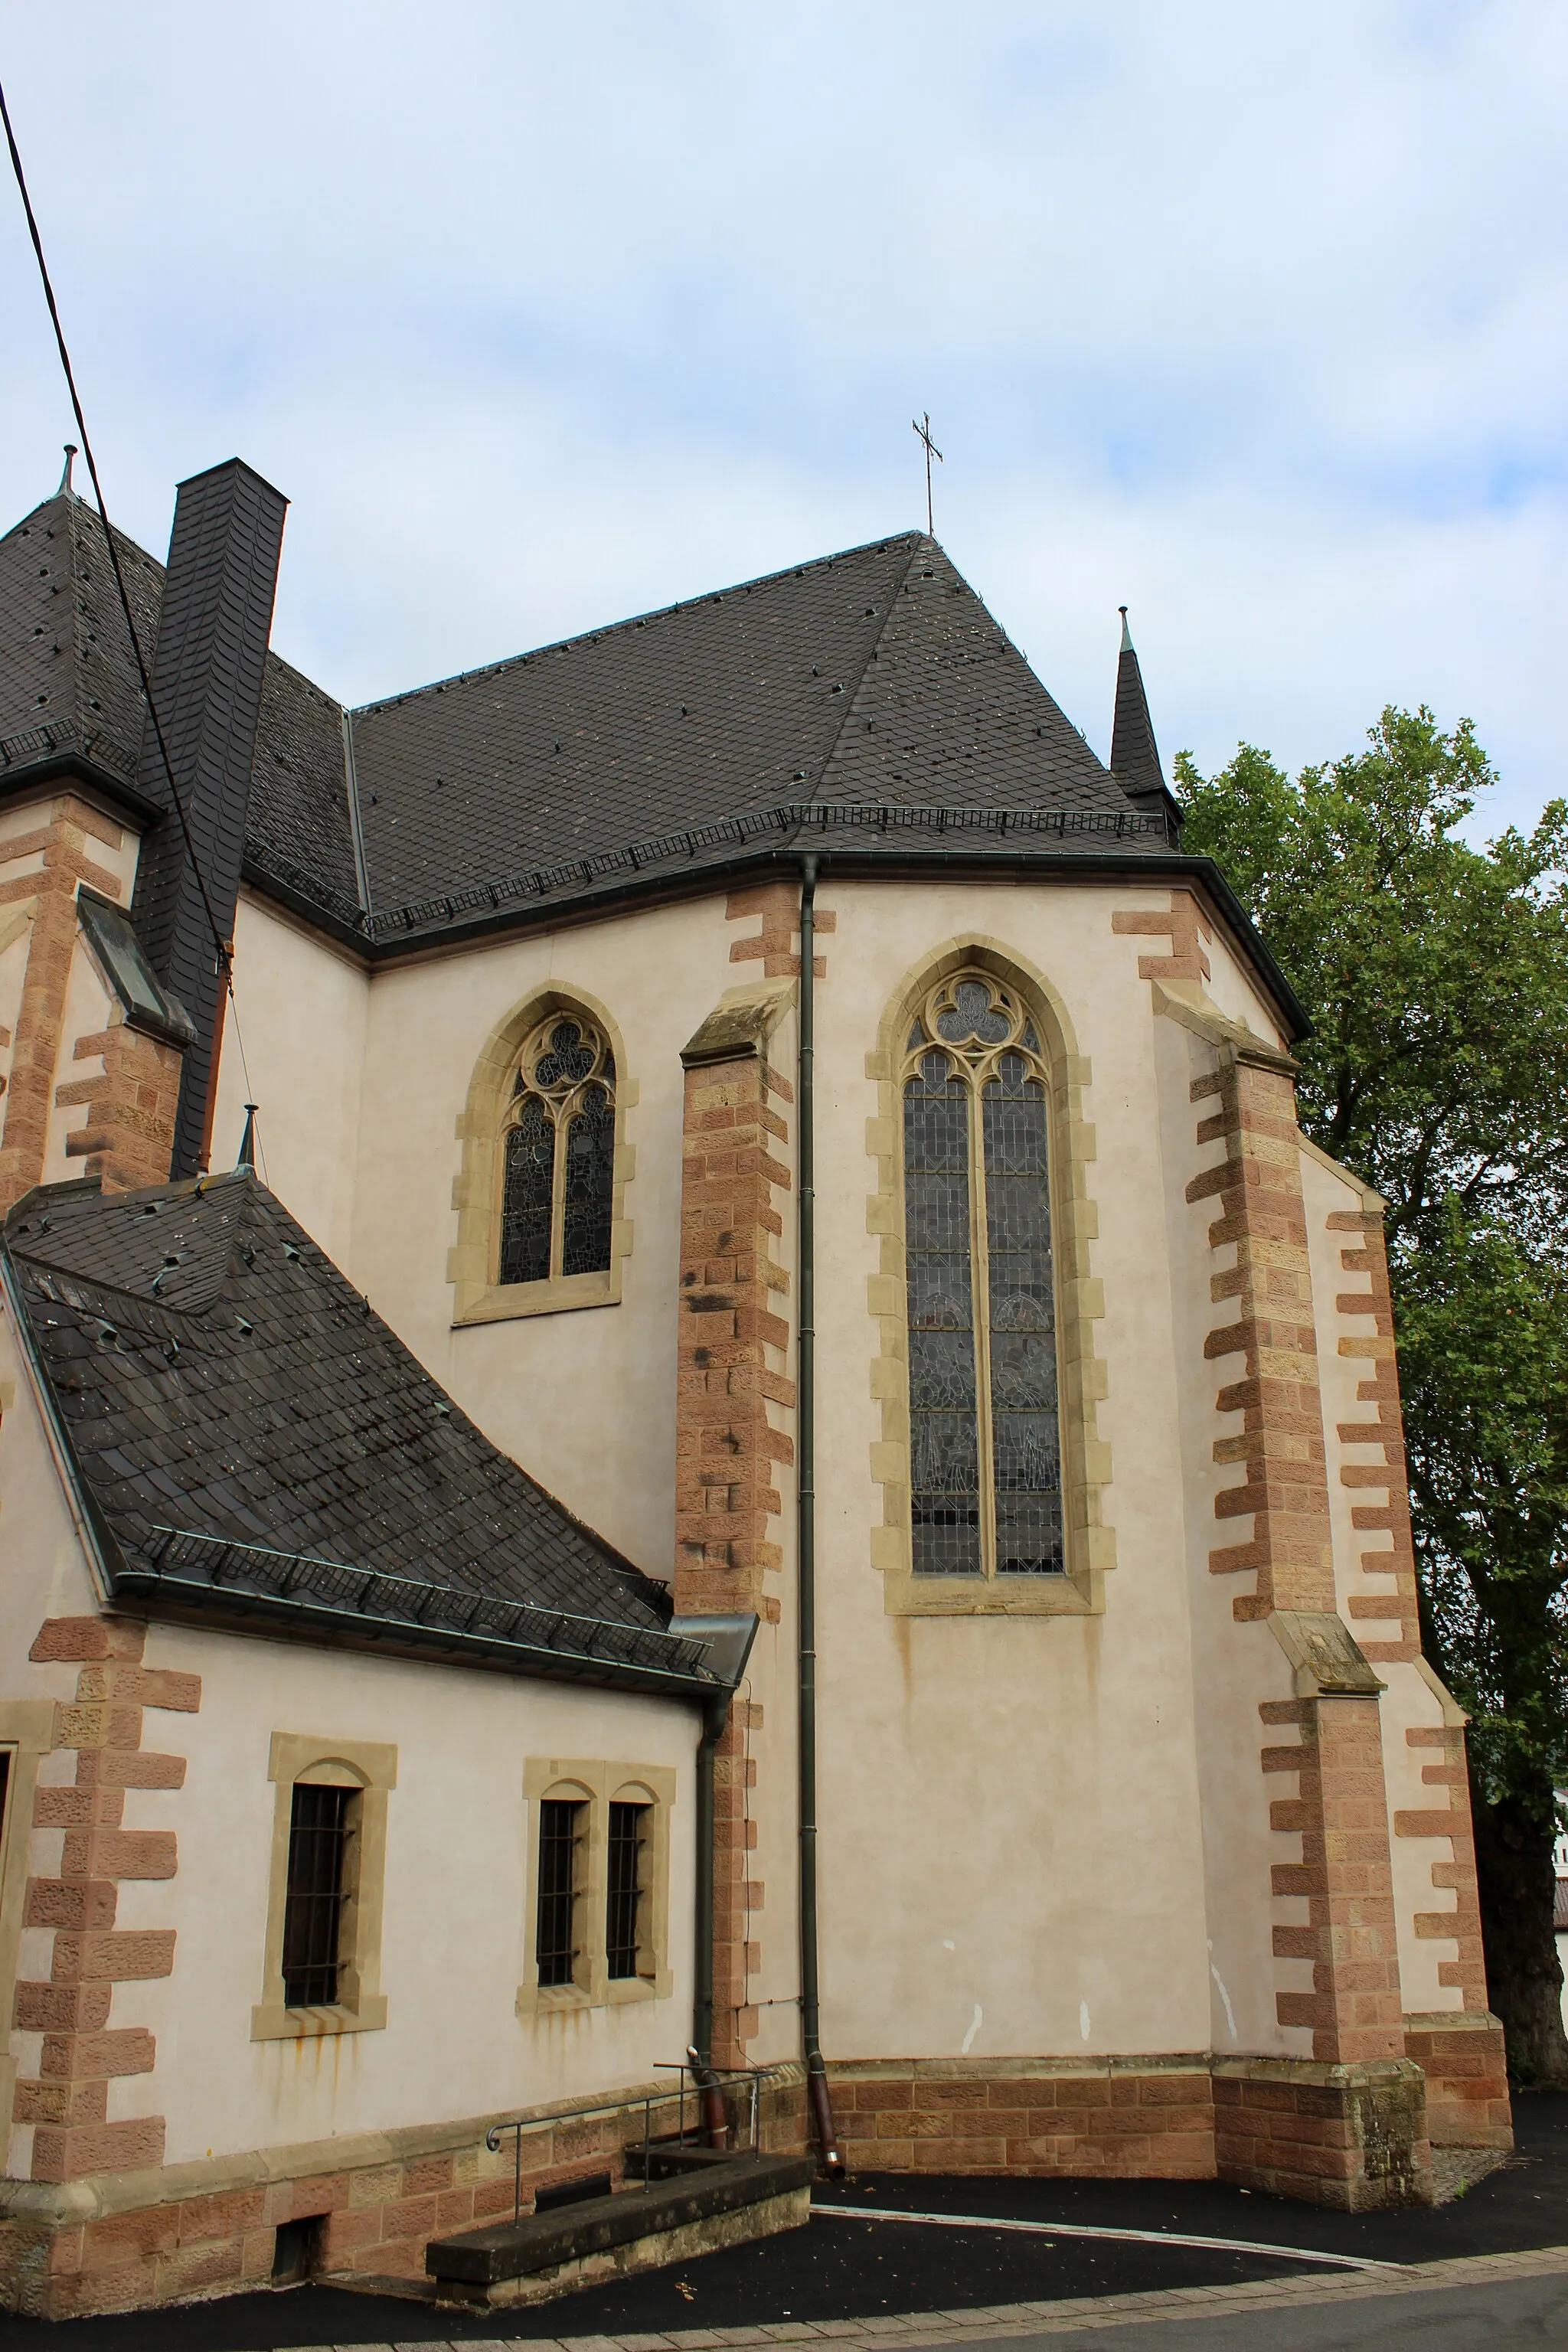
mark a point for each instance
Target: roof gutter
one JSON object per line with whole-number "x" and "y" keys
{"x": 986, "y": 861}
{"x": 192, "y": 1601}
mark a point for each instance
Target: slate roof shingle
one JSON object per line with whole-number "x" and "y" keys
{"x": 868, "y": 694}
{"x": 250, "y": 1435}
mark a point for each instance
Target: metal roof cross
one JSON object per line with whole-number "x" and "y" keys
{"x": 922, "y": 433}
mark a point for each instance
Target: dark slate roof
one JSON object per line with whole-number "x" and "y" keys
{"x": 68, "y": 682}
{"x": 869, "y": 698}
{"x": 247, "y": 1436}
{"x": 874, "y": 679}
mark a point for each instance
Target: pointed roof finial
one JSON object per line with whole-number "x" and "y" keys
{"x": 248, "y": 1140}
{"x": 65, "y": 491}
{"x": 1126, "y": 632}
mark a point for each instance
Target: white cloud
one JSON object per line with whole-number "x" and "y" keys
{"x": 1253, "y": 318}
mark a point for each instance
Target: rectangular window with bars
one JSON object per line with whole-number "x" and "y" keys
{"x": 624, "y": 1905}
{"x": 320, "y": 1827}
{"x": 560, "y": 1835}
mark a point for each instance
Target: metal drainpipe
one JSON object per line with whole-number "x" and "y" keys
{"x": 715, "y": 1716}
{"x": 805, "y": 1427}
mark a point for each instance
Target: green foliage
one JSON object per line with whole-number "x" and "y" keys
{"x": 1436, "y": 974}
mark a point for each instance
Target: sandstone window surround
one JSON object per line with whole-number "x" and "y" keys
{"x": 367, "y": 1769}
{"x": 594, "y": 1787}
{"x": 26, "y": 1735}
{"x": 1016, "y": 1043}
{"x": 541, "y": 1191}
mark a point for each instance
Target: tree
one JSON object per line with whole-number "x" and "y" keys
{"x": 1436, "y": 974}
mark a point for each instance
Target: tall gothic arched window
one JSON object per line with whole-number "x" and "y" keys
{"x": 558, "y": 1154}
{"x": 986, "y": 1447}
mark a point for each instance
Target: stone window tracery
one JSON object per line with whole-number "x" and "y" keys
{"x": 558, "y": 1154}
{"x": 985, "y": 1449}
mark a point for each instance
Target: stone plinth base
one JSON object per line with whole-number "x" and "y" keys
{"x": 1461, "y": 2053}
{"x": 1117, "y": 2118}
{"x": 1351, "y": 2135}
{"x": 180, "y": 2232}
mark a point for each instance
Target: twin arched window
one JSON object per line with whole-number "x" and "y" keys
{"x": 558, "y": 1154}
{"x": 985, "y": 1450}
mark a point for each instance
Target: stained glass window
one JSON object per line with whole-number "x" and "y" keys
{"x": 985, "y": 1454}
{"x": 558, "y": 1154}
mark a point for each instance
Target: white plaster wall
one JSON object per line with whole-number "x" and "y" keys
{"x": 1326, "y": 1191}
{"x": 982, "y": 1778}
{"x": 455, "y": 1926}
{"x": 1410, "y": 1700}
{"x": 584, "y": 1399}
{"x": 1232, "y": 988}
{"x": 1235, "y": 1667}
{"x": 42, "y": 1570}
{"x": 302, "y": 1009}
{"x": 1016, "y": 1798}
{"x": 13, "y": 972}
{"x": 43, "y": 1573}
{"x": 89, "y": 1009}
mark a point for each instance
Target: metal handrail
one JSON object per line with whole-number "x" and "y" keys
{"x": 754, "y": 2075}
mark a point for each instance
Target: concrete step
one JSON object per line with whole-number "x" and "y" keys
{"x": 544, "y": 2254}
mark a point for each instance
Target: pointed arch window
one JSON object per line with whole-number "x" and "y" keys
{"x": 558, "y": 1153}
{"x": 985, "y": 1446}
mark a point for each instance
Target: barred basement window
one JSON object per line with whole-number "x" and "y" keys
{"x": 320, "y": 1826}
{"x": 622, "y": 1920}
{"x": 986, "y": 1447}
{"x": 555, "y": 1943}
{"x": 558, "y": 1151}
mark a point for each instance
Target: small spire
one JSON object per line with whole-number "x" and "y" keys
{"x": 248, "y": 1140}
{"x": 1134, "y": 754}
{"x": 65, "y": 491}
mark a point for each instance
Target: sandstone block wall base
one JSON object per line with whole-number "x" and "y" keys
{"x": 1119, "y": 2118}
{"x": 178, "y": 2233}
{"x": 1463, "y": 2055}
{"x": 1351, "y": 2136}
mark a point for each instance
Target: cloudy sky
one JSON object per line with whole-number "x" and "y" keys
{"x": 1249, "y": 317}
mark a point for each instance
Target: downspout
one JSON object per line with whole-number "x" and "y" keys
{"x": 817, "y": 2093}
{"x": 715, "y": 1716}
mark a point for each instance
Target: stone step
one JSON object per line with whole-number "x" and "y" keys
{"x": 544, "y": 2254}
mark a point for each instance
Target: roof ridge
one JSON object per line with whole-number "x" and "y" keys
{"x": 632, "y": 621}
{"x": 918, "y": 540}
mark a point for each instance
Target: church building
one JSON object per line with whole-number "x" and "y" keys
{"x": 672, "y": 1376}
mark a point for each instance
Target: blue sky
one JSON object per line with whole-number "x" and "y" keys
{"x": 1253, "y": 319}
